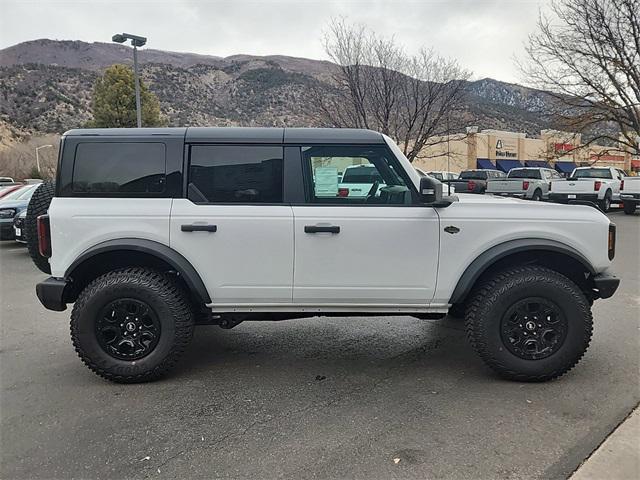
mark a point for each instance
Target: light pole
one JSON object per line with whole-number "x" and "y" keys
{"x": 136, "y": 42}
{"x": 38, "y": 155}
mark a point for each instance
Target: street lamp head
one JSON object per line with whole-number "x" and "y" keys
{"x": 136, "y": 40}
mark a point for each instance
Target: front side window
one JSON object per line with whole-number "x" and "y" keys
{"x": 119, "y": 168}
{"x": 355, "y": 175}
{"x": 235, "y": 174}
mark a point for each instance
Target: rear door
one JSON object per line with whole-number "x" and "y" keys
{"x": 380, "y": 250}
{"x": 234, "y": 227}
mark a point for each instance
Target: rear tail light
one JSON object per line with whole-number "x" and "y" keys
{"x": 597, "y": 185}
{"x": 612, "y": 241}
{"x": 525, "y": 185}
{"x": 471, "y": 185}
{"x": 44, "y": 236}
{"x": 343, "y": 192}
{"x": 622, "y": 185}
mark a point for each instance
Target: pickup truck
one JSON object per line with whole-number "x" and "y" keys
{"x": 529, "y": 183}
{"x": 630, "y": 194}
{"x": 237, "y": 226}
{"x": 359, "y": 181}
{"x": 598, "y": 185}
{"x": 474, "y": 181}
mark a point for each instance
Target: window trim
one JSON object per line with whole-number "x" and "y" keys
{"x": 187, "y": 172}
{"x": 400, "y": 171}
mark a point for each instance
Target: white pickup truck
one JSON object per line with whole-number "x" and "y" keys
{"x": 529, "y": 183}
{"x": 630, "y": 194}
{"x": 599, "y": 185}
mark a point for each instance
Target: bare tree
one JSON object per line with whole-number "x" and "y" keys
{"x": 587, "y": 55}
{"x": 377, "y": 85}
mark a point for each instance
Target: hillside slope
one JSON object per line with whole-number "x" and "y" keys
{"x": 46, "y": 87}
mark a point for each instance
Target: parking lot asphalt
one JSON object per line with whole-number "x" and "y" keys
{"x": 384, "y": 397}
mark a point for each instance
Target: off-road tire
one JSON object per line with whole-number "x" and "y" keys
{"x": 497, "y": 293}
{"x": 38, "y": 205}
{"x": 629, "y": 208}
{"x": 605, "y": 203}
{"x": 162, "y": 294}
{"x": 457, "y": 311}
{"x": 537, "y": 196}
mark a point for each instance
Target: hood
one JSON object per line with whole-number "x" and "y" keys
{"x": 476, "y": 198}
{"x": 17, "y": 204}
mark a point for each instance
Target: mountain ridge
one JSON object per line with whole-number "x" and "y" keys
{"x": 47, "y": 86}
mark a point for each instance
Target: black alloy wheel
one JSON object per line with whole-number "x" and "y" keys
{"x": 128, "y": 329}
{"x": 533, "y": 328}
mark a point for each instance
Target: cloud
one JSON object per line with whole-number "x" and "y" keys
{"x": 482, "y": 35}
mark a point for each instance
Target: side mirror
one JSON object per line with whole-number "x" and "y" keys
{"x": 430, "y": 190}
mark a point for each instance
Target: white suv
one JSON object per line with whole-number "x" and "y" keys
{"x": 151, "y": 231}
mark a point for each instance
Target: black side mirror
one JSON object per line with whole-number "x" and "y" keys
{"x": 430, "y": 190}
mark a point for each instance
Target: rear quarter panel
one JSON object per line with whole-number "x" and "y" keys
{"x": 78, "y": 224}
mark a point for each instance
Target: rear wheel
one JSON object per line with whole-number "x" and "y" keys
{"x": 537, "y": 196}
{"x": 529, "y": 323}
{"x": 605, "y": 203}
{"x": 629, "y": 208}
{"x": 131, "y": 325}
{"x": 38, "y": 205}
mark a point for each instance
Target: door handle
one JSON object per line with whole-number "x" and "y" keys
{"x": 321, "y": 229}
{"x": 194, "y": 227}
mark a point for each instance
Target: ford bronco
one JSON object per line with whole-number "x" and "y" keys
{"x": 148, "y": 232}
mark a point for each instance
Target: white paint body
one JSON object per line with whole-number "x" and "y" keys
{"x": 395, "y": 259}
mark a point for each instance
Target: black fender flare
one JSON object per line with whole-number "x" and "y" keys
{"x": 502, "y": 250}
{"x": 177, "y": 262}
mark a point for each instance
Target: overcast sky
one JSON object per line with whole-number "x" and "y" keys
{"x": 482, "y": 35}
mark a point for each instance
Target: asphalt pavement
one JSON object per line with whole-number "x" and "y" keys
{"x": 369, "y": 398}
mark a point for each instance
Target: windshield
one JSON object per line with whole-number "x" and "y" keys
{"x": 473, "y": 175}
{"x": 592, "y": 173}
{"x": 524, "y": 173}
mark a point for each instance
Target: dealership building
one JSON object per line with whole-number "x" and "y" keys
{"x": 502, "y": 150}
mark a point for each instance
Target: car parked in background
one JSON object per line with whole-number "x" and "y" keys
{"x": 630, "y": 194}
{"x": 443, "y": 175}
{"x": 7, "y": 188}
{"x": 10, "y": 206}
{"x": 598, "y": 185}
{"x": 474, "y": 181}
{"x": 4, "y": 180}
{"x": 438, "y": 175}
{"x": 531, "y": 183}
{"x": 18, "y": 227}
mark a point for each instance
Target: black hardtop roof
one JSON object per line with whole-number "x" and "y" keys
{"x": 242, "y": 134}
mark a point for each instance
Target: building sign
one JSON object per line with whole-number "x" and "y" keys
{"x": 507, "y": 148}
{"x": 563, "y": 147}
{"x": 607, "y": 158}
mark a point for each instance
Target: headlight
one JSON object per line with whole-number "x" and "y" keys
{"x": 7, "y": 213}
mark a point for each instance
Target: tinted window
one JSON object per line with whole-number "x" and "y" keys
{"x": 592, "y": 173}
{"x": 119, "y": 168}
{"x": 524, "y": 173}
{"x": 371, "y": 175}
{"x": 473, "y": 175}
{"x": 243, "y": 174}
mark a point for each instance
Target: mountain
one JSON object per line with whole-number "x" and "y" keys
{"x": 46, "y": 86}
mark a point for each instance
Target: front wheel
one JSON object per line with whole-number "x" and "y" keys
{"x": 131, "y": 325}
{"x": 529, "y": 323}
{"x": 629, "y": 208}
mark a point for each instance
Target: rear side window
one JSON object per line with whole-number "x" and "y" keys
{"x": 235, "y": 174}
{"x": 119, "y": 168}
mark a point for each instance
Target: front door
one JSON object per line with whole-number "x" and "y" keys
{"x": 378, "y": 250}
{"x": 233, "y": 227}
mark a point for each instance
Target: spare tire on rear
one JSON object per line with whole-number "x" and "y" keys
{"x": 38, "y": 205}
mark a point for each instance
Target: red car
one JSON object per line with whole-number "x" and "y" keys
{"x": 4, "y": 190}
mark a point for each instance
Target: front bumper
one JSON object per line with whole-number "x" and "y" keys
{"x": 606, "y": 284}
{"x": 51, "y": 293}
{"x": 6, "y": 229}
